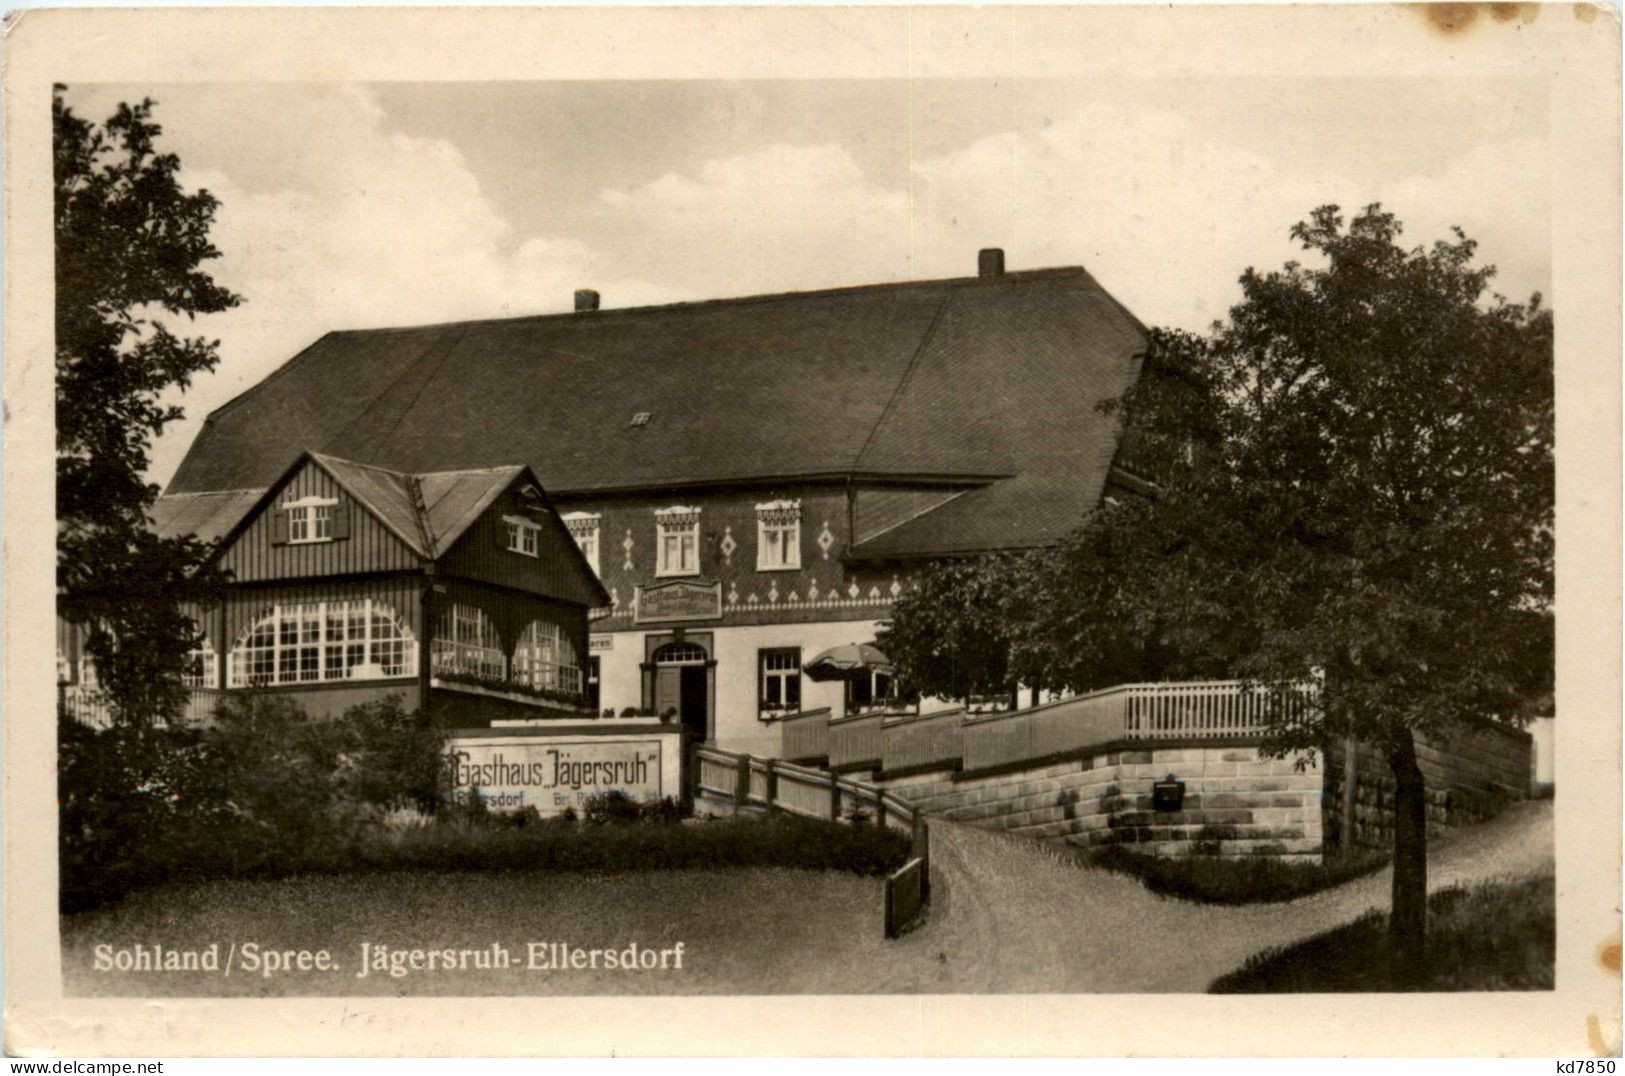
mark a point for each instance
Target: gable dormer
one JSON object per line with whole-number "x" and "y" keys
{"x": 309, "y": 525}
{"x": 519, "y": 540}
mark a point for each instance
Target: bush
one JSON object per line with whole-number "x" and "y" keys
{"x": 265, "y": 789}
{"x": 136, "y": 806}
{"x": 396, "y": 758}
{"x": 1212, "y": 879}
{"x": 611, "y": 806}
{"x": 773, "y": 841}
{"x": 664, "y": 811}
{"x": 268, "y": 791}
{"x": 1495, "y": 936}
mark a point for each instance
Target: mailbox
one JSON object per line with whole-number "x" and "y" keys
{"x": 1167, "y": 794}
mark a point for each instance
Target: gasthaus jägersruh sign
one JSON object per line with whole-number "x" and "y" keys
{"x": 678, "y": 599}
{"x": 518, "y": 767}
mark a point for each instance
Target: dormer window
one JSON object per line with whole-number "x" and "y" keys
{"x": 523, "y": 535}
{"x": 583, "y": 527}
{"x": 311, "y": 519}
{"x": 778, "y": 536}
{"x": 677, "y": 548}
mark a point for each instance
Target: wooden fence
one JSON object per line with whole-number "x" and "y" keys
{"x": 747, "y": 781}
{"x": 1192, "y": 710}
{"x": 911, "y": 742}
{"x": 854, "y": 741}
{"x": 805, "y": 735}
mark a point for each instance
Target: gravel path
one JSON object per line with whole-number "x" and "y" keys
{"x": 1017, "y": 918}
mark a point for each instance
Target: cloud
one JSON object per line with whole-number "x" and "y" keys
{"x": 778, "y": 218}
{"x": 328, "y": 221}
{"x": 331, "y": 220}
{"x": 1499, "y": 195}
{"x": 1164, "y": 214}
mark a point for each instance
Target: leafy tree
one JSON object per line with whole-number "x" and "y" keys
{"x": 1352, "y": 481}
{"x": 130, "y": 243}
{"x": 1356, "y": 486}
{"x": 949, "y": 636}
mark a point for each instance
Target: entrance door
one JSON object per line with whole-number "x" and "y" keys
{"x": 682, "y": 682}
{"x": 694, "y": 707}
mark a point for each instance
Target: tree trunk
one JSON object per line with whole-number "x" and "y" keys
{"x": 1407, "y": 921}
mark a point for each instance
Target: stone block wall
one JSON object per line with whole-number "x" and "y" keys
{"x": 1469, "y": 776}
{"x": 1236, "y": 803}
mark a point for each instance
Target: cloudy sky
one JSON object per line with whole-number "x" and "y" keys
{"x": 349, "y": 206}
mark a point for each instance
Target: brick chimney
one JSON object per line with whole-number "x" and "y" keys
{"x": 990, "y": 262}
{"x": 586, "y": 300}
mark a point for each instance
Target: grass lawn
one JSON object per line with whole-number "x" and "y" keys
{"x": 1495, "y": 936}
{"x": 1235, "y": 879}
{"x": 756, "y": 930}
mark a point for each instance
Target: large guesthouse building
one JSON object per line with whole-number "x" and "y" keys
{"x": 752, "y": 481}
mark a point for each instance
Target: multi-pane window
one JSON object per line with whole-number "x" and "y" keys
{"x": 778, "y": 535}
{"x": 546, "y": 658}
{"x": 678, "y": 541}
{"x": 359, "y": 639}
{"x": 871, "y": 690}
{"x": 466, "y": 642}
{"x": 583, "y": 527}
{"x": 310, "y": 519}
{"x": 200, "y": 669}
{"x": 523, "y": 535}
{"x": 780, "y": 679}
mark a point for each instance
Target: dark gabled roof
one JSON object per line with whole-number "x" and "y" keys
{"x": 205, "y": 516}
{"x": 450, "y": 500}
{"x": 992, "y": 380}
{"x": 428, "y": 520}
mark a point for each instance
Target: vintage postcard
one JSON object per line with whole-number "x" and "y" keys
{"x": 813, "y": 530}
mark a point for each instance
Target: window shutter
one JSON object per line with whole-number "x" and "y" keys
{"x": 499, "y": 533}
{"x": 341, "y": 521}
{"x": 279, "y": 526}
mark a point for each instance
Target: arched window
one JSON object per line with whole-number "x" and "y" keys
{"x": 466, "y": 642}
{"x": 201, "y": 670}
{"x": 546, "y": 658}
{"x": 359, "y": 639}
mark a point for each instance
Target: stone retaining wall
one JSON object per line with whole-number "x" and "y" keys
{"x": 1469, "y": 777}
{"x": 1235, "y": 802}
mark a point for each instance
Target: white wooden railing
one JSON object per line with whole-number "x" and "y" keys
{"x": 1190, "y": 710}
{"x": 1196, "y": 709}
{"x": 750, "y": 782}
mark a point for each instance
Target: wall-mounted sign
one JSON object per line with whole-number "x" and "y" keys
{"x": 597, "y": 644}
{"x": 550, "y": 773}
{"x": 679, "y": 599}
